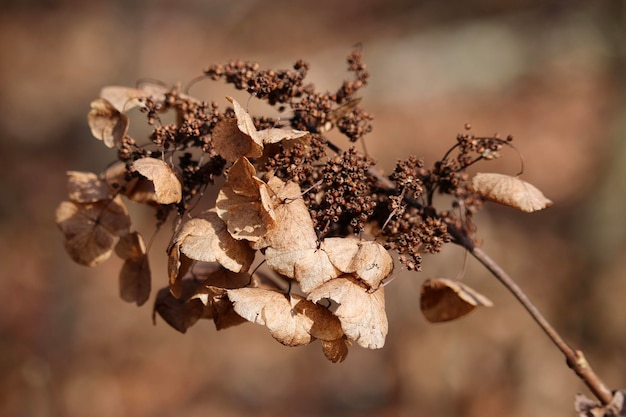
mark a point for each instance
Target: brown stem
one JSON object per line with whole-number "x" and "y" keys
{"x": 575, "y": 358}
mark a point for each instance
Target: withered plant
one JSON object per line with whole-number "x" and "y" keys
{"x": 298, "y": 238}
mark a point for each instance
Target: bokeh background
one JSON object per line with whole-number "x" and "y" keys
{"x": 549, "y": 72}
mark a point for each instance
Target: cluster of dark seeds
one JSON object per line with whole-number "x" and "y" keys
{"x": 342, "y": 195}
{"x": 346, "y": 198}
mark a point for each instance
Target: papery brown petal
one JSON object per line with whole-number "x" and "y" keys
{"x": 242, "y": 179}
{"x": 223, "y": 278}
{"x": 177, "y": 267}
{"x": 92, "y": 229}
{"x": 231, "y": 144}
{"x": 289, "y": 318}
{"x": 135, "y": 281}
{"x": 205, "y": 238}
{"x": 445, "y": 299}
{"x": 126, "y": 98}
{"x": 310, "y": 267}
{"x": 335, "y": 350}
{"x": 233, "y": 139}
{"x": 586, "y": 407}
{"x": 293, "y": 227}
{"x": 275, "y": 135}
{"x": 362, "y": 314}
{"x": 244, "y": 203}
{"x": 86, "y": 187}
{"x": 137, "y": 188}
{"x": 245, "y": 124}
{"x": 325, "y": 325}
{"x": 217, "y": 306}
{"x": 167, "y": 187}
{"x": 369, "y": 261}
{"x": 510, "y": 191}
{"x": 245, "y": 218}
{"x": 180, "y": 313}
{"x": 107, "y": 123}
{"x": 130, "y": 246}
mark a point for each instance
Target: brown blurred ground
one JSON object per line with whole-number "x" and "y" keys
{"x": 548, "y": 72}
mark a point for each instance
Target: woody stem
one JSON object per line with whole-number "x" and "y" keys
{"x": 575, "y": 358}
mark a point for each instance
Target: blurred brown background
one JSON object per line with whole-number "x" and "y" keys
{"x": 549, "y": 72}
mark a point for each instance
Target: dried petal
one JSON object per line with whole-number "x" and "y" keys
{"x": 586, "y": 407}
{"x": 244, "y": 203}
{"x": 275, "y": 135}
{"x": 130, "y": 246}
{"x": 234, "y": 138}
{"x": 212, "y": 294}
{"x": 167, "y": 187}
{"x": 135, "y": 274}
{"x": 335, "y": 350}
{"x": 177, "y": 267}
{"x": 107, "y": 123}
{"x": 362, "y": 314}
{"x": 310, "y": 267}
{"x": 369, "y": 261}
{"x": 126, "y": 98}
{"x": 510, "y": 191}
{"x": 289, "y": 317}
{"x": 445, "y": 299}
{"x": 92, "y": 229}
{"x": 86, "y": 187}
{"x": 205, "y": 238}
{"x": 293, "y": 227}
{"x": 179, "y": 312}
{"x": 135, "y": 280}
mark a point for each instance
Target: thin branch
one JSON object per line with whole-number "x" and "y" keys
{"x": 575, "y": 358}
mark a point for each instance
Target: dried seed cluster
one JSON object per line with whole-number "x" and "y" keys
{"x": 346, "y": 196}
{"x": 289, "y": 195}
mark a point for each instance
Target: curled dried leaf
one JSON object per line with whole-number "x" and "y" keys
{"x": 167, "y": 187}
{"x": 107, "y": 123}
{"x": 445, "y": 299}
{"x": 335, "y": 350}
{"x": 92, "y": 229}
{"x": 510, "y": 191}
{"x": 361, "y": 313}
{"x": 586, "y": 407}
{"x": 290, "y": 318}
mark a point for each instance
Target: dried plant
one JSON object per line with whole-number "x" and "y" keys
{"x": 319, "y": 218}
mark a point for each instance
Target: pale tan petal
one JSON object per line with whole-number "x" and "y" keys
{"x": 362, "y": 314}
{"x": 445, "y": 299}
{"x": 167, "y": 187}
{"x": 510, "y": 191}
{"x": 107, "y": 123}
